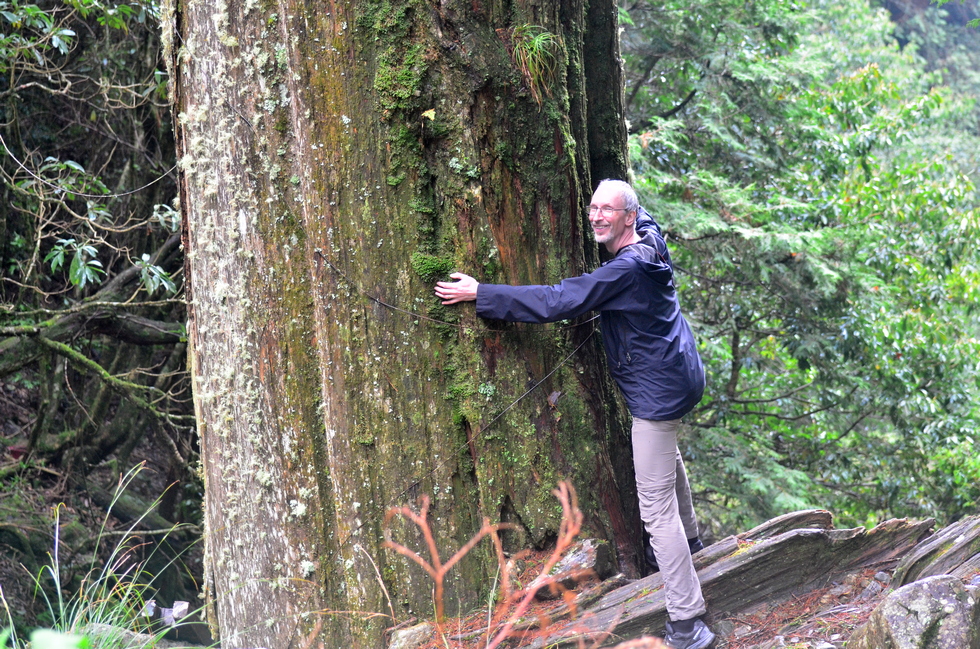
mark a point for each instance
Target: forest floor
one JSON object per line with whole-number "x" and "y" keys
{"x": 822, "y": 618}
{"x": 50, "y": 523}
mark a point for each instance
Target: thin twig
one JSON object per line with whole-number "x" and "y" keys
{"x": 81, "y": 194}
{"x": 380, "y": 580}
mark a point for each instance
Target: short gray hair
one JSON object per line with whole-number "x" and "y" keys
{"x": 625, "y": 190}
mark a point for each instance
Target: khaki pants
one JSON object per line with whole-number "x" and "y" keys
{"x": 667, "y": 513}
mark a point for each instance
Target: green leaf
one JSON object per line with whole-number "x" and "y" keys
{"x": 48, "y": 639}
{"x": 57, "y": 258}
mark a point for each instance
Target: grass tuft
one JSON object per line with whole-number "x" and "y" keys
{"x": 110, "y": 604}
{"x": 536, "y": 52}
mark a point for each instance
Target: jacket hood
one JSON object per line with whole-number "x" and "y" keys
{"x": 645, "y": 223}
{"x": 651, "y": 248}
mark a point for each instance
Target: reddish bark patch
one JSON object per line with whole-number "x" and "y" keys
{"x": 492, "y": 350}
{"x": 627, "y": 543}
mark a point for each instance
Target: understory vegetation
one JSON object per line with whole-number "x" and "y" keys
{"x": 813, "y": 164}
{"x": 815, "y": 167}
{"x": 92, "y": 351}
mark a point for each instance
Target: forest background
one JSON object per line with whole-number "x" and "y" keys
{"x": 813, "y": 165}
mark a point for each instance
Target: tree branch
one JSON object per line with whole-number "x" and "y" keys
{"x": 127, "y": 389}
{"x": 793, "y": 418}
{"x": 645, "y": 124}
{"x": 679, "y": 107}
{"x": 771, "y": 399}
{"x": 22, "y": 347}
{"x": 642, "y": 80}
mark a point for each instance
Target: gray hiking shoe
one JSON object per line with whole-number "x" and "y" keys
{"x": 699, "y": 637}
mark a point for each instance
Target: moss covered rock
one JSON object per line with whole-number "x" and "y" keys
{"x": 935, "y": 613}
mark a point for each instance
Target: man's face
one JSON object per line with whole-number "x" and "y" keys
{"x": 616, "y": 228}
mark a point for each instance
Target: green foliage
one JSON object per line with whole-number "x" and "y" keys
{"x": 48, "y": 639}
{"x": 84, "y": 268}
{"x": 974, "y": 23}
{"x": 167, "y": 217}
{"x": 117, "y": 15}
{"x": 85, "y": 149}
{"x": 65, "y": 231}
{"x": 112, "y": 591}
{"x": 29, "y": 34}
{"x": 60, "y": 208}
{"x": 822, "y": 240}
{"x": 154, "y": 277}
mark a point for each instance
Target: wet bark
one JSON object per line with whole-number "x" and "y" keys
{"x": 336, "y": 160}
{"x": 604, "y": 78}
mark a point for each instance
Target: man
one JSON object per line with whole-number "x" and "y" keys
{"x": 654, "y": 360}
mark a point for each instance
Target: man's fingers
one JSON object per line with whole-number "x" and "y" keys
{"x": 462, "y": 290}
{"x": 446, "y": 292}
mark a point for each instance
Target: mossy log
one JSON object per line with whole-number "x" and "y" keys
{"x": 335, "y": 160}
{"x": 133, "y": 510}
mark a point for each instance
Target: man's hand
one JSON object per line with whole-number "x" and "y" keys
{"x": 462, "y": 290}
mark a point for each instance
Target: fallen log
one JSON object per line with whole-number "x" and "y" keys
{"x": 744, "y": 574}
{"x": 953, "y": 550}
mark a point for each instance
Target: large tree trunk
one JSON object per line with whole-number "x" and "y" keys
{"x": 337, "y": 158}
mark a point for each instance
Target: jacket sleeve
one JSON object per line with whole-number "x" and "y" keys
{"x": 606, "y": 289}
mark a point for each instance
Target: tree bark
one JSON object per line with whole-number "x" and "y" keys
{"x": 336, "y": 160}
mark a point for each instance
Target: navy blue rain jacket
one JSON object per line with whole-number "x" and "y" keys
{"x": 651, "y": 349}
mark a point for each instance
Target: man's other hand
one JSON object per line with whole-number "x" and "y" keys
{"x": 462, "y": 290}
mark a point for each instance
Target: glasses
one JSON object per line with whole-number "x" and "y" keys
{"x": 606, "y": 210}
